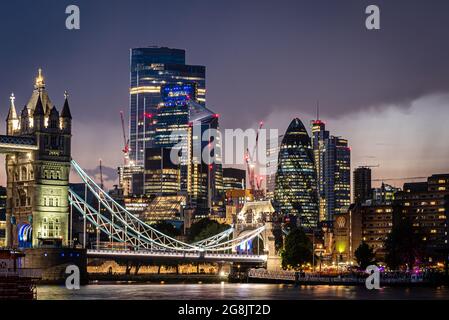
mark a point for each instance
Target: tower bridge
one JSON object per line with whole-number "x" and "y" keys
{"x": 40, "y": 203}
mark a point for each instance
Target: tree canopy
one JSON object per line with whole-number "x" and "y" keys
{"x": 364, "y": 255}
{"x": 298, "y": 249}
{"x": 205, "y": 228}
{"x": 167, "y": 228}
{"x": 403, "y": 246}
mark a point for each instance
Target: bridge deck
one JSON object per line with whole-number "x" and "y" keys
{"x": 204, "y": 256}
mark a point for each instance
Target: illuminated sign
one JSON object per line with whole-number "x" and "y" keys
{"x": 174, "y": 94}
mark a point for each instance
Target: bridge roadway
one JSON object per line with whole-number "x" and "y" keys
{"x": 203, "y": 256}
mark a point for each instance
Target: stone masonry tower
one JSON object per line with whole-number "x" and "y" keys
{"x": 38, "y": 176}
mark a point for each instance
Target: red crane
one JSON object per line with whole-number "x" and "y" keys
{"x": 125, "y": 140}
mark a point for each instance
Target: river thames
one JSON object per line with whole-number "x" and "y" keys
{"x": 232, "y": 291}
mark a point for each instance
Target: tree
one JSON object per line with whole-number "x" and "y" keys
{"x": 364, "y": 255}
{"x": 298, "y": 249}
{"x": 167, "y": 228}
{"x": 205, "y": 228}
{"x": 403, "y": 246}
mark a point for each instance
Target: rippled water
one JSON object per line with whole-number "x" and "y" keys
{"x": 233, "y": 291}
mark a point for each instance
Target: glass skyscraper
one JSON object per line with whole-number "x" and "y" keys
{"x": 332, "y": 158}
{"x": 296, "y": 189}
{"x": 337, "y": 176}
{"x": 151, "y": 69}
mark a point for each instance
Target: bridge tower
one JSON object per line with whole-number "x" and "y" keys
{"x": 38, "y": 153}
{"x": 254, "y": 215}
{"x": 273, "y": 259}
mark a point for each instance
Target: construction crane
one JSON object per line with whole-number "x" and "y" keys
{"x": 101, "y": 175}
{"x": 370, "y": 166}
{"x": 254, "y": 182}
{"x": 401, "y": 178}
{"x": 125, "y": 140}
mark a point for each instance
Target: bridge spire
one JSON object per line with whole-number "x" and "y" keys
{"x": 12, "y": 115}
{"x": 39, "y": 83}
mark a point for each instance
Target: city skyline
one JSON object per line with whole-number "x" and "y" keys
{"x": 371, "y": 103}
{"x": 214, "y": 150}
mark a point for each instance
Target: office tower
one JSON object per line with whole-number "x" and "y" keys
{"x": 337, "y": 176}
{"x": 150, "y": 69}
{"x": 234, "y": 179}
{"x": 171, "y": 122}
{"x": 131, "y": 180}
{"x": 162, "y": 175}
{"x": 319, "y": 138}
{"x": 296, "y": 192}
{"x": 362, "y": 184}
{"x": 172, "y": 116}
{"x": 332, "y": 158}
{"x": 204, "y": 179}
{"x": 273, "y": 147}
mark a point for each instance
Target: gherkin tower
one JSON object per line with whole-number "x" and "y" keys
{"x": 295, "y": 191}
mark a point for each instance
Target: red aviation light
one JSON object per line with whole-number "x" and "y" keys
{"x": 148, "y": 115}
{"x": 211, "y": 167}
{"x": 216, "y": 115}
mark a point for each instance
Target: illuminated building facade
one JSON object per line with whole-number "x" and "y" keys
{"x": 165, "y": 208}
{"x": 151, "y": 68}
{"x": 384, "y": 194}
{"x": 273, "y": 147}
{"x": 377, "y": 223}
{"x": 362, "y": 185}
{"x": 172, "y": 122}
{"x": 37, "y": 181}
{"x": 131, "y": 180}
{"x": 162, "y": 176}
{"x": 137, "y": 205}
{"x": 233, "y": 179}
{"x": 319, "y": 138}
{"x": 296, "y": 188}
{"x": 368, "y": 222}
{"x": 332, "y": 159}
{"x": 427, "y": 209}
{"x": 337, "y": 176}
{"x": 204, "y": 176}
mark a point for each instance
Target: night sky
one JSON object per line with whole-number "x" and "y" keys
{"x": 387, "y": 91}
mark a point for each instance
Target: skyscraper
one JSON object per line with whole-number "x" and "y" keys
{"x": 204, "y": 180}
{"x": 151, "y": 68}
{"x": 319, "y": 138}
{"x": 273, "y": 147}
{"x": 332, "y": 157}
{"x": 337, "y": 176}
{"x": 233, "y": 179}
{"x": 296, "y": 189}
{"x": 362, "y": 184}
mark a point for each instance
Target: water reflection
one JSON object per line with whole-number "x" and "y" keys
{"x": 228, "y": 291}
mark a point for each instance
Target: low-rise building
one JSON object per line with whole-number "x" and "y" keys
{"x": 426, "y": 205}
